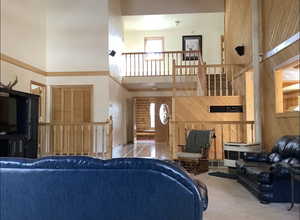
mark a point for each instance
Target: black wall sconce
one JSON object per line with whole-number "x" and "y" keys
{"x": 112, "y": 53}
{"x": 240, "y": 50}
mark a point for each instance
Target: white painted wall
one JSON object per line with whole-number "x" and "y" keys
{"x": 23, "y": 37}
{"x": 116, "y": 37}
{"x": 209, "y": 25}
{"x": 77, "y": 35}
{"x": 9, "y": 73}
{"x": 118, "y": 110}
{"x": 100, "y": 93}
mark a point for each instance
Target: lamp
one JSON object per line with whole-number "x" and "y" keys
{"x": 240, "y": 50}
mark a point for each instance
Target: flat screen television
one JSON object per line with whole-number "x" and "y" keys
{"x": 8, "y": 115}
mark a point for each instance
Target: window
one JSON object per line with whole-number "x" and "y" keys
{"x": 152, "y": 115}
{"x": 287, "y": 88}
{"x": 153, "y": 47}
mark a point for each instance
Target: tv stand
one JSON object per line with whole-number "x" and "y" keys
{"x": 23, "y": 142}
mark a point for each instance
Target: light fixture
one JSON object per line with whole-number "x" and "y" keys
{"x": 240, "y": 50}
{"x": 112, "y": 53}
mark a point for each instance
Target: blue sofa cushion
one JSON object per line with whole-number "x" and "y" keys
{"x": 80, "y": 188}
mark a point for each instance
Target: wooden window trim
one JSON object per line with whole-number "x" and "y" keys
{"x": 278, "y": 86}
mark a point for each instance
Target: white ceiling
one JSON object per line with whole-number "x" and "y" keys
{"x": 166, "y": 22}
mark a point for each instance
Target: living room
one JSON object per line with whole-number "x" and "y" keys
{"x": 128, "y": 80}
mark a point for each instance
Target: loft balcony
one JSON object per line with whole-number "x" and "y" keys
{"x": 178, "y": 71}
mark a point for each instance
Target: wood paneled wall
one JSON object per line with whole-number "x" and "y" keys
{"x": 193, "y": 113}
{"x": 275, "y": 126}
{"x": 196, "y": 108}
{"x": 280, "y": 21}
{"x": 238, "y": 31}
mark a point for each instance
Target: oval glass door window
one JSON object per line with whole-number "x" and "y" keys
{"x": 164, "y": 114}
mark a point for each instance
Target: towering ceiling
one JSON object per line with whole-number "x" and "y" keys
{"x": 147, "y": 7}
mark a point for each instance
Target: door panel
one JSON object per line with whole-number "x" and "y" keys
{"x": 72, "y": 104}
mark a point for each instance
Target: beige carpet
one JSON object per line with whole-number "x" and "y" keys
{"x": 228, "y": 200}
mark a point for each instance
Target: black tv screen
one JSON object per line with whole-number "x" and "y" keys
{"x": 8, "y": 115}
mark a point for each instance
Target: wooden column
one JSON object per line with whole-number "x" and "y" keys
{"x": 256, "y": 18}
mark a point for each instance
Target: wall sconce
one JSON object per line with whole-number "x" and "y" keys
{"x": 240, "y": 50}
{"x": 112, "y": 53}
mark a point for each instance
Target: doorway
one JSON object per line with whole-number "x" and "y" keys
{"x": 40, "y": 90}
{"x": 151, "y": 119}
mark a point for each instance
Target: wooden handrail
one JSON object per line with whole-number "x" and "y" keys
{"x": 215, "y": 122}
{"x": 73, "y": 123}
{"x": 163, "y": 52}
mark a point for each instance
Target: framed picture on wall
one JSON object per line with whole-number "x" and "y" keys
{"x": 191, "y": 43}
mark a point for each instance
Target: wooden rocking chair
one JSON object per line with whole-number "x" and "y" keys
{"x": 194, "y": 155}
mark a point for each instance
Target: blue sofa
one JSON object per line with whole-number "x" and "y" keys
{"x": 83, "y": 188}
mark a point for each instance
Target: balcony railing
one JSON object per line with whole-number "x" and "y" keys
{"x": 143, "y": 64}
{"x": 90, "y": 139}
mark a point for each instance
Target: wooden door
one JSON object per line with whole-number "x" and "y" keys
{"x": 162, "y": 129}
{"x": 71, "y": 108}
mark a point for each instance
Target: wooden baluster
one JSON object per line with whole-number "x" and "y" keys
{"x": 215, "y": 81}
{"x": 181, "y": 60}
{"x": 147, "y": 67}
{"x": 232, "y": 83}
{"x": 174, "y": 78}
{"x": 226, "y": 79}
{"x": 230, "y": 140}
{"x": 125, "y": 65}
{"x": 151, "y": 65}
{"x": 221, "y": 82}
{"x": 252, "y": 132}
{"x": 208, "y": 82}
{"x": 68, "y": 139}
{"x": 130, "y": 65}
{"x": 164, "y": 63}
{"x": 103, "y": 142}
{"x": 138, "y": 65}
{"x": 143, "y": 64}
{"x": 155, "y": 67}
{"x": 222, "y": 140}
{"x": 82, "y": 139}
{"x": 168, "y": 67}
{"x": 96, "y": 147}
{"x": 135, "y": 65}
